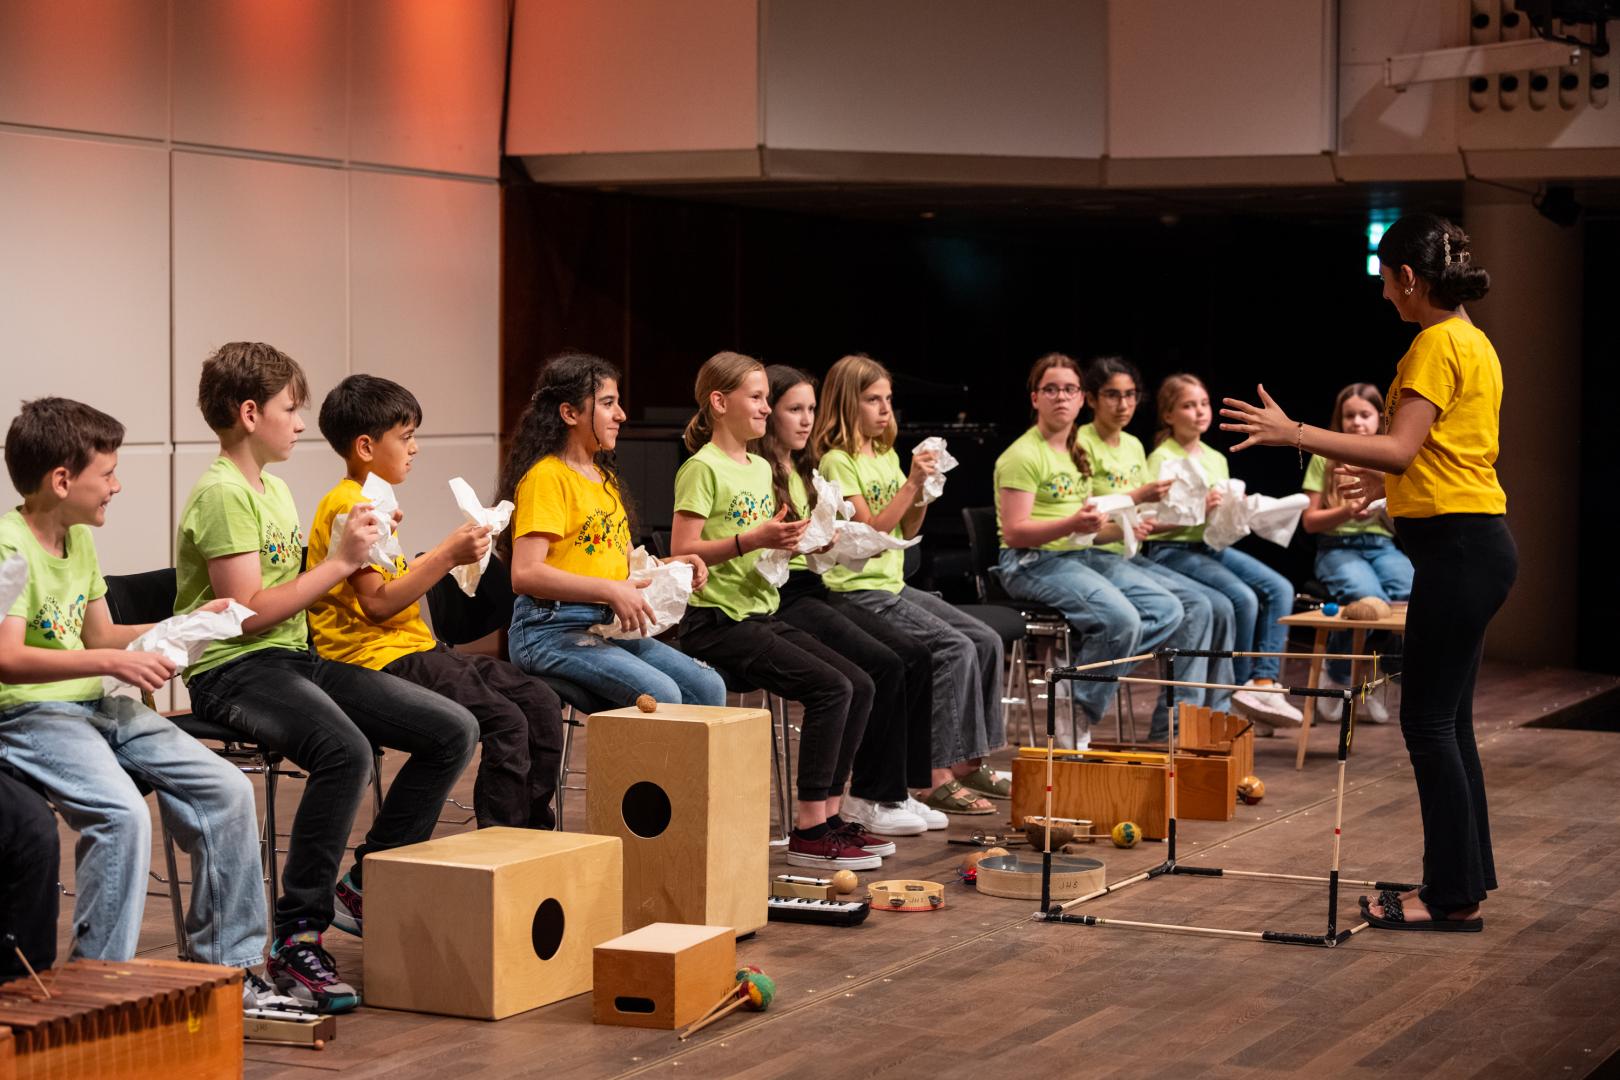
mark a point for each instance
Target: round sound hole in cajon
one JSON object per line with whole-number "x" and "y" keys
{"x": 547, "y": 931}
{"x": 645, "y": 808}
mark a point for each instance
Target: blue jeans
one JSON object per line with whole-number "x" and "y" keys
{"x": 1175, "y": 613}
{"x": 89, "y": 756}
{"x": 1258, "y": 594}
{"x": 553, "y": 640}
{"x": 1355, "y": 566}
{"x": 1106, "y": 621}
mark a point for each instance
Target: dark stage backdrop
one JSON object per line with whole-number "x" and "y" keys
{"x": 958, "y": 311}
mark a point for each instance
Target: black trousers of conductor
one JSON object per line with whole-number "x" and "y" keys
{"x": 519, "y": 729}
{"x": 29, "y": 856}
{"x": 773, "y": 654}
{"x": 1463, "y": 567}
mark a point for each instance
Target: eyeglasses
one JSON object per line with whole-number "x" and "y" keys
{"x": 1117, "y": 395}
{"x": 1053, "y": 391}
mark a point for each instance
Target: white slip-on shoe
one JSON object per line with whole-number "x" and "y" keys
{"x": 883, "y": 819}
{"x": 1273, "y": 709}
{"x": 933, "y": 819}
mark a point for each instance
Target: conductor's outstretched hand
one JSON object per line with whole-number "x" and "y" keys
{"x": 1265, "y": 424}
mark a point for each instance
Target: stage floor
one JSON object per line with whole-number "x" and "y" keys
{"x": 978, "y": 989}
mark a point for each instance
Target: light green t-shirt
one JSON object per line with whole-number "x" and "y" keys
{"x": 1030, "y": 464}
{"x": 800, "y": 499}
{"x": 1316, "y": 480}
{"x": 1209, "y": 459}
{"x": 731, "y": 498}
{"x": 52, "y": 606}
{"x": 877, "y": 480}
{"x": 1114, "y": 468}
{"x": 225, "y": 516}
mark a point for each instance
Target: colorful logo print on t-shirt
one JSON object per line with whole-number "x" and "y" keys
{"x": 748, "y": 509}
{"x": 879, "y": 496}
{"x": 279, "y": 549}
{"x": 56, "y": 623}
{"x": 601, "y": 533}
{"x": 1060, "y": 487}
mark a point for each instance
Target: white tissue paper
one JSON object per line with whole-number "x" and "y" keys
{"x": 496, "y": 517}
{"x": 183, "y": 638}
{"x": 669, "y": 586}
{"x": 853, "y": 545}
{"x": 772, "y": 564}
{"x": 1186, "y": 501}
{"x": 1122, "y": 509}
{"x": 13, "y": 580}
{"x": 379, "y": 494}
{"x": 934, "y": 486}
{"x": 1238, "y": 515}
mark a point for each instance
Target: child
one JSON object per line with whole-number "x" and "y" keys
{"x": 895, "y": 749}
{"x": 87, "y": 750}
{"x": 374, "y": 617}
{"x": 1118, "y": 463}
{"x": 1356, "y": 554}
{"x": 1258, "y": 594}
{"x": 1041, "y": 483}
{"x": 569, "y": 545}
{"x": 726, "y": 514}
{"x": 239, "y": 539}
{"x": 854, "y": 441}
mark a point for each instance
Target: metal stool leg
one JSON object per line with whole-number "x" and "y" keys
{"x": 272, "y": 875}
{"x": 376, "y": 782}
{"x": 569, "y": 721}
{"x": 181, "y": 940}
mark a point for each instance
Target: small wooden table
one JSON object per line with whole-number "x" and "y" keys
{"x": 1324, "y": 625}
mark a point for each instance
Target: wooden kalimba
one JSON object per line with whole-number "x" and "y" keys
{"x": 136, "y": 1020}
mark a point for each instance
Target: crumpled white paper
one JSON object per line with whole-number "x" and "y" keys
{"x": 934, "y": 486}
{"x": 1122, "y": 509}
{"x": 670, "y": 584}
{"x": 1238, "y": 515}
{"x": 1185, "y": 502}
{"x": 13, "y": 580}
{"x": 854, "y": 544}
{"x": 379, "y": 493}
{"x": 496, "y": 517}
{"x": 772, "y": 564}
{"x": 182, "y": 638}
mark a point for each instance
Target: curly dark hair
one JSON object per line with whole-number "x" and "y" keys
{"x": 1439, "y": 254}
{"x": 575, "y": 378}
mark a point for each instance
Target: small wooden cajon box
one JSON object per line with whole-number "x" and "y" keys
{"x": 1103, "y": 787}
{"x": 489, "y": 923}
{"x": 665, "y": 975}
{"x": 687, "y": 788}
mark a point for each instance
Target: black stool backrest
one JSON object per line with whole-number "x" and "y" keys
{"x": 983, "y": 542}
{"x": 459, "y": 618}
{"x": 136, "y": 599}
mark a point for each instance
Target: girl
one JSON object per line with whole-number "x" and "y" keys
{"x": 1258, "y": 594}
{"x": 1356, "y": 554}
{"x": 569, "y": 547}
{"x": 1041, "y": 483}
{"x": 895, "y": 748}
{"x": 854, "y": 441}
{"x": 1437, "y": 465}
{"x": 726, "y": 514}
{"x": 1118, "y": 463}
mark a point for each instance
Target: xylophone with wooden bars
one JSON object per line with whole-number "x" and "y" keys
{"x": 157, "y": 1019}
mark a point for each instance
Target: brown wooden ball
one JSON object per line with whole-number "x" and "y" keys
{"x": 972, "y": 859}
{"x": 1251, "y": 789}
{"x": 647, "y": 703}
{"x": 1368, "y": 607}
{"x": 845, "y": 881}
{"x": 991, "y": 853}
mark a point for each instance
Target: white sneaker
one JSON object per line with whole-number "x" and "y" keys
{"x": 1329, "y": 708}
{"x": 1273, "y": 709}
{"x": 1372, "y": 711}
{"x": 883, "y": 819}
{"x": 934, "y": 819}
{"x": 259, "y": 995}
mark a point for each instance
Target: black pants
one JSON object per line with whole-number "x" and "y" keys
{"x": 30, "y": 854}
{"x": 1463, "y": 566}
{"x": 775, "y": 655}
{"x": 325, "y": 717}
{"x": 901, "y": 670}
{"x": 519, "y": 726}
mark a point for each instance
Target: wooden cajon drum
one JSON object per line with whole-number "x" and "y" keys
{"x": 665, "y": 975}
{"x": 1103, "y": 787}
{"x": 1203, "y": 728}
{"x": 1206, "y": 781}
{"x": 687, "y": 788}
{"x": 489, "y": 923}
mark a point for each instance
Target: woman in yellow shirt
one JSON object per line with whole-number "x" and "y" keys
{"x": 1437, "y": 465}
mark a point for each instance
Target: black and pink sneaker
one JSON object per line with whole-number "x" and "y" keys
{"x": 832, "y": 850}
{"x": 303, "y": 970}
{"x": 346, "y": 907}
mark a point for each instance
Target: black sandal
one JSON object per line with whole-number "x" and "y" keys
{"x": 1394, "y": 917}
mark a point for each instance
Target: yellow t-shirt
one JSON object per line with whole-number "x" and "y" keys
{"x": 1453, "y": 365}
{"x": 588, "y": 519}
{"x": 337, "y": 622}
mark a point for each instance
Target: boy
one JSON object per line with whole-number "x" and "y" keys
{"x": 87, "y": 750}
{"x": 374, "y": 619}
{"x": 239, "y": 539}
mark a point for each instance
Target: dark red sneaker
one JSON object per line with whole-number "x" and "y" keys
{"x": 832, "y": 850}
{"x": 856, "y": 836}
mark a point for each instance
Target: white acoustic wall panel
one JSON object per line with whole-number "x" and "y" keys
{"x": 1382, "y": 132}
{"x": 425, "y": 83}
{"x": 258, "y": 256}
{"x": 265, "y": 75}
{"x": 1220, "y": 78}
{"x": 84, "y": 277}
{"x": 86, "y": 65}
{"x": 138, "y": 535}
{"x": 936, "y": 76}
{"x": 430, "y": 511}
{"x": 619, "y": 76}
{"x": 425, "y": 293}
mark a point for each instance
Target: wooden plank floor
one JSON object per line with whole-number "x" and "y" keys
{"x": 978, "y": 989}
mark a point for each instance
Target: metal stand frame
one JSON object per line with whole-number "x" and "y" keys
{"x": 1332, "y": 936}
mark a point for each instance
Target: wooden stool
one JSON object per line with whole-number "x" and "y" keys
{"x": 664, "y": 975}
{"x": 1325, "y": 625}
{"x": 687, "y": 788}
{"x": 489, "y": 923}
